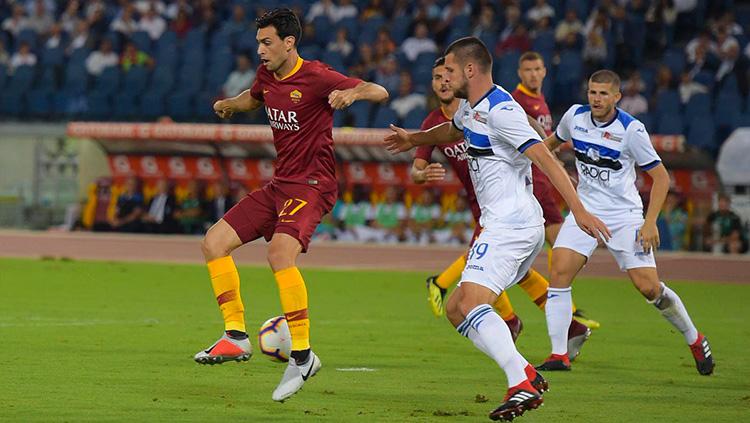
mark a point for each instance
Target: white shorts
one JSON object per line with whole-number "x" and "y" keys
{"x": 623, "y": 245}
{"x": 500, "y": 258}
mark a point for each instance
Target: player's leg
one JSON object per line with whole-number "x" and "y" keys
{"x": 300, "y": 209}
{"x": 504, "y": 308}
{"x": 437, "y": 285}
{"x": 249, "y": 219}
{"x": 669, "y": 304}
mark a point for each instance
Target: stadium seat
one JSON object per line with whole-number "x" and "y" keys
{"x": 647, "y": 121}
{"x": 400, "y": 28}
{"x": 189, "y": 79}
{"x": 134, "y": 81}
{"x": 323, "y": 30}
{"x": 52, "y": 56}
{"x": 422, "y": 78}
{"x": 310, "y": 52}
{"x": 14, "y": 96}
{"x": 569, "y": 74}
{"x": 108, "y": 82}
{"x": 39, "y": 102}
{"x": 3, "y": 76}
{"x": 674, "y": 59}
{"x": 360, "y": 114}
{"x": 180, "y": 105}
{"x": 507, "y": 75}
{"x": 47, "y": 79}
{"x": 124, "y": 105}
{"x": 217, "y": 74}
{"x": 338, "y": 118}
{"x": 728, "y": 110}
{"x": 351, "y": 24}
{"x": 142, "y": 41}
{"x": 151, "y": 105}
{"x": 162, "y": 81}
{"x": 698, "y": 105}
{"x": 544, "y": 44}
{"x": 384, "y": 117}
{"x": 671, "y": 124}
{"x": 334, "y": 60}
{"x": 667, "y": 103}
{"x": 701, "y": 133}
{"x": 78, "y": 57}
{"x": 28, "y": 36}
{"x": 413, "y": 120}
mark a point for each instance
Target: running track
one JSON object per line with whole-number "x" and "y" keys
{"x": 186, "y": 249}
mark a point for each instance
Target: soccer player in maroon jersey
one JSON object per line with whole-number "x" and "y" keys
{"x": 299, "y": 97}
{"x": 423, "y": 171}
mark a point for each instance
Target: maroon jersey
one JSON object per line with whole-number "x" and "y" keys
{"x": 534, "y": 106}
{"x": 456, "y": 155}
{"x": 301, "y": 120}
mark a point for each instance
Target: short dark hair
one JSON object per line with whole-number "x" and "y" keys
{"x": 284, "y": 20}
{"x": 471, "y": 49}
{"x": 606, "y": 76}
{"x": 529, "y": 56}
{"x": 440, "y": 61}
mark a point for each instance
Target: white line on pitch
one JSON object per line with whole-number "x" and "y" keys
{"x": 356, "y": 369}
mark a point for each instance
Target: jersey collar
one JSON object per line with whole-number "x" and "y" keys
{"x": 294, "y": 70}
{"x": 483, "y": 97}
{"x": 526, "y": 91}
{"x": 614, "y": 118}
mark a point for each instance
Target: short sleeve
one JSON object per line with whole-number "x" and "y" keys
{"x": 509, "y": 124}
{"x": 640, "y": 146}
{"x": 562, "y": 131}
{"x": 424, "y": 152}
{"x": 331, "y": 80}
{"x": 256, "y": 90}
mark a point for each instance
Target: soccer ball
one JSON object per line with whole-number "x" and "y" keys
{"x": 274, "y": 339}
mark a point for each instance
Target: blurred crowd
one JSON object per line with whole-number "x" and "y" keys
{"x": 388, "y": 215}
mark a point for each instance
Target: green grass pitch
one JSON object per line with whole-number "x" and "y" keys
{"x": 106, "y": 341}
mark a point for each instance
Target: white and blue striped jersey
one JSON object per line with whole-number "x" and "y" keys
{"x": 606, "y": 156}
{"x": 497, "y": 133}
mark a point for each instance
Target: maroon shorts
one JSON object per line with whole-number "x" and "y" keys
{"x": 545, "y": 194}
{"x": 281, "y": 207}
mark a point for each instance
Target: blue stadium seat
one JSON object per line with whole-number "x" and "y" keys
{"x": 180, "y": 105}
{"x": 142, "y": 41}
{"x": 310, "y": 52}
{"x": 48, "y": 80}
{"x": 167, "y": 39}
{"x": 134, "y": 81}
{"x": 151, "y": 105}
{"x": 40, "y": 102}
{"x": 413, "y": 120}
{"x": 162, "y": 81}
{"x": 108, "y": 82}
{"x": 351, "y": 25}
{"x": 421, "y": 78}
{"x": 506, "y": 72}
{"x": 671, "y": 124}
{"x": 728, "y": 110}
{"x": 667, "y": 103}
{"x": 384, "y": 117}
{"x": 569, "y": 74}
{"x": 360, "y": 113}
{"x": 27, "y": 36}
{"x": 203, "y": 106}
{"x": 544, "y": 44}
{"x": 698, "y": 105}
{"x": 99, "y": 106}
{"x": 3, "y": 76}
{"x": 124, "y": 106}
{"x": 52, "y": 56}
{"x": 647, "y": 121}
{"x": 194, "y": 39}
{"x": 323, "y": 30}
{"x": 635, "y": 29}
{"x": 334, "y": 60}
{"x": 189, "y": 80}
{"x": 13, "y": 99}
{"x": 701, "y": 133}
{"x": 675, "y": 61}
{"x": 400, "y": 28}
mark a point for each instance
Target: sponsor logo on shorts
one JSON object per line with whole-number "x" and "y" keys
{"x": 475, "y": 267}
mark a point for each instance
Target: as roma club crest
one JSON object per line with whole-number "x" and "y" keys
{"x": 296, "y": 96}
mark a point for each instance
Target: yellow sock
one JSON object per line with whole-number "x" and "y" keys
{"x": 535, "y": 286}
{"x": 504, "y": 307}
{"x": 450, "y": 275}
{"x": 293, "y": 295}
{"x": 226, "y": 283}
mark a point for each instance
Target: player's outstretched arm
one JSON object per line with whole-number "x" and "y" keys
{"x": 536, "y": 126}
{"x": 369, "y": 91}
{"x": 400, "y": 140}
{"x": 422, "y": 171}
{"x": 243, "y": 102}
{"x": 589, "y": 223}
{"x": 648, "y": 236}
{"x": 552, "y": 142}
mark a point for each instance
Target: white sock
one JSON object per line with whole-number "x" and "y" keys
{"x": 559, "y": 312}
{"x": 670, "y": 306}
{"x": 494, "y": 339}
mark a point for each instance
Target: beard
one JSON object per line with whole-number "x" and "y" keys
{"x": 462, "y": 91}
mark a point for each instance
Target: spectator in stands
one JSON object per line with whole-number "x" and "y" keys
{"x": 365, "y": 66}
{"x": 660, "y": 21}
{"x": 129, "y": 208}
{"x": 189, "y": 213}
{"x": 724, "y": 231}
{"x": 55, "y": 38}
{"x": 424, "y": 217}
{"x": 4, "y": 58}
{"x": 322, "y": 8}
{"x": 594, "y": 51}
{"x": 143, "y": 6}
{"x": 80, "y": 38}
{"x": 427, "y": 10}
{"x": 345, "y": 10}
{"x": 152, "y": 23}
{"x": 238, "y": 23}
{"x": 540, "y": 11}
{"x": 387, "y": 75}
{"x": 131, "y": 56}
{"x": 384, "y": 45}
{"x": 240, "y": 79}
{"x": 98, "y": 24}
{"x": 93, "y": 7}
{"x": 407, "y": 99}
{"x": 541, "y": 28}
{"x": 457, "y": 224}
{"x": 17, "y": 22}
{"x": 731, "y": 63}
{"x": 570, "y": 25}
{"x": 102, "y": 58}
{"x": 701, "y": 41}
{"x": 220, "y": 202}
{"x": 518, "y": 41}
{"x": 636, "y": 81}
{"x": 181, "y": 25}
{"x": 512, "y": 20}
{"x": 70, "y": 16}
{"x": 676, "y": 219}
{"x": 633, "y": 102}
{"x": 125, "y": 24}
{"x": 389, "y": 219}
{"x": 455, "y": 9}
{"x": 355, "y": 216}
{"x": 689, "y": 87}
{"x": 40, "y": 20}
{"x": 341, "y": 44}
{"x": 374, "y": 8}
{"x": 486, "y": 25}
{"x": 23, "y": 57}
{"x": 419, "y": 42}
{"x": 159, "y": 217}
{"x": 174, "y": 8}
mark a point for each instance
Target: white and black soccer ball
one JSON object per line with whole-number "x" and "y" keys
{"x": 274, "y": 339}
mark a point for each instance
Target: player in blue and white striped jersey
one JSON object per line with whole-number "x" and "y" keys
{"x": 608, "y": 144}
{"x": 501, "y": 146}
